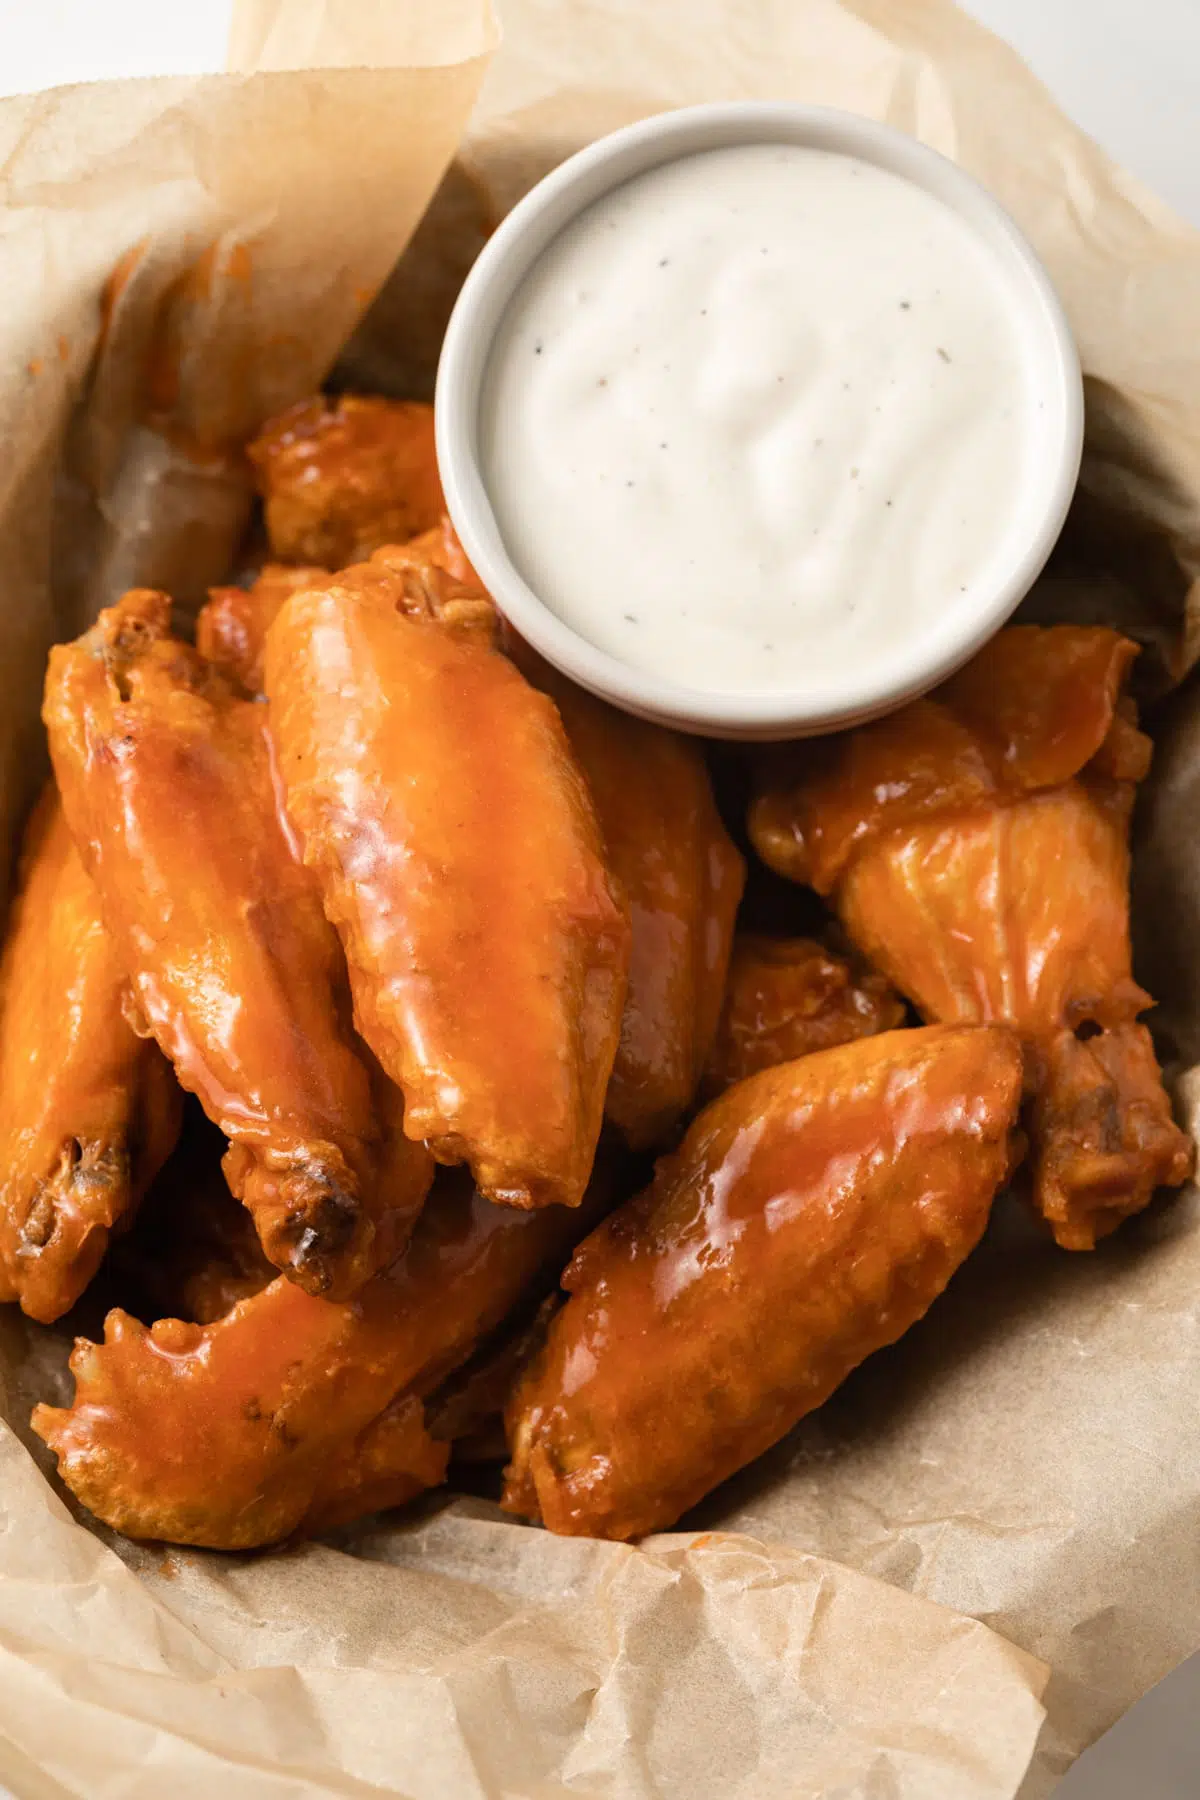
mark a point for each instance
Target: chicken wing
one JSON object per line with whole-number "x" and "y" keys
{"x": 341, "y": 476}
{"x": 785, "y": 998}
{"x": 682, "y": 877}
{"x": 976, "y": 847}
{"x": 231, "y": 627}
{"x": 1028, "y": 713}
{"x": 88, "y": 1110}
{"x": 293, "y": 1413}
{"x": 459, "y": 857}
{"x": 811, "y": 1215}
{"x": 434, "y": 582}
{"x": 440, "y": 547}
{"x": 192, "y": 1252}
{"x": 171, "y": 794}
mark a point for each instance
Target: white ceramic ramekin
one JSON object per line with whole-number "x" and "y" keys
{"x": 1052, "y": 363}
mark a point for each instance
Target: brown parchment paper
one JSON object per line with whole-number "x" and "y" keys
{"x": 860, "y": 1616}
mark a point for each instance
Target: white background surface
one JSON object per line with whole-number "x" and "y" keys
{"x": 1129, "y": 72}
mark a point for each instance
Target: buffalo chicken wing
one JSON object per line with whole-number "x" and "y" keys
{"x": 787, "y": 997}
{"x": 682, "y": 877}
{"x": 170, "y": 790}
{"x": 340, "y": 477}
{"x": 293, "y": 1413}
{"x": 810, "y": 1216}
{"x": 975, "y": 845}
{"x": 459, "y": 857}
{"x": 88, "y": 1110}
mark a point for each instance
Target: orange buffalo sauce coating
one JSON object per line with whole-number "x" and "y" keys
{"x": 458, "y": 854}
{"x": 292, "y": 1413}
{"x": 169, "y": 787}
{"x": 811, "y": 1215}
{"x": 1021, "y": 913}
{"x": 232, "y": 625}
{"x": 88, "y": 1110}
{"x": 1027, "y": 713}
{"x": 433, "y": 581}
{"x": 787, "y": 997}
{"x": 976, "y": 847}
{"x": 682, "y": 877}
{"x": 342, "y": 476}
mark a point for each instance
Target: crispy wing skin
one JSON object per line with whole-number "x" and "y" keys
{"x": 1027, "y": 713}
{"x": 291, "y": 1412}
{"x": 395, "y": 1459}
{"x": 438, "y": 585}
{"x": 987, "y": 875}
{"x": 170, "y": 790}
{"x": 811, "y": 1215}
{"x": 682, "y": 876}
{"x": 460, "y": 859}
{"x": 433, "y": 581}
{"x": 1022, "y": 914}
{"x": 231, "y": 627}
{"x": 1014, "y": 912}
{"x": 88, "y": 1111}
{"x": 342, "y": 476}
{"x": 788, "y": 997}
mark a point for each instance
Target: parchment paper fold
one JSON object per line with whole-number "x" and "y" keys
{"x": 860, "y": 1615}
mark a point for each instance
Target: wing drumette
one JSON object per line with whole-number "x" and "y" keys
{"x": 170, "y": 791}
{"x": 786, "y": 998}
{"x": 975, "y": 845}
{"x": 232, "y": 625}
{"x": 682, "y": 876}
{"x": 459, "y": 857}
{"x": 340, "y": 477}
{"x": 811, "y": 1215}
{"x": 88, "y": 1110}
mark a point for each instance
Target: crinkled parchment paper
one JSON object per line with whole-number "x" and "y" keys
{"x": 182, "y": 256}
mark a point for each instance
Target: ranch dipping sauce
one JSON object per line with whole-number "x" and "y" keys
{"x": 758, "y": 418}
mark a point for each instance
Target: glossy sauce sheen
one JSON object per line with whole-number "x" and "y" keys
{"x": 169, "y": 790}
{"x": 811, "y": 1215}
{"x": 460, "y": 859}
{"x": 88, "y": 1111}
{"x": 269, "y": 1419}
{"x": 682, "y": 877}
{"x": 976, "y": 846}
{"x": 756, "y": 417}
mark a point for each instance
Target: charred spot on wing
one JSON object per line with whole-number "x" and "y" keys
{"x": 84, "y": 1171}
{"x": 320, "y": 1229}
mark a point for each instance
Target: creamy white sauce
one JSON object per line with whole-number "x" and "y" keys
{"x": 758, "y": 418}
